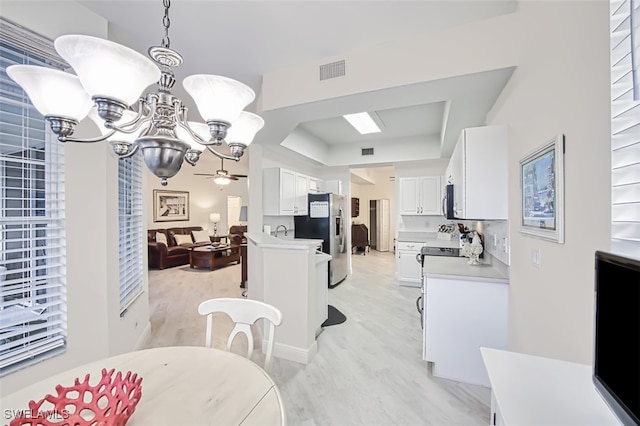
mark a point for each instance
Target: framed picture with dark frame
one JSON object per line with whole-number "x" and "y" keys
{"x": 169, "y": 206}
{"x": 542, "y": 191}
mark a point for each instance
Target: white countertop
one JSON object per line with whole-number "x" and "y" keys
{"x": 429, "y": 239}
{"x": 264, "y": 240}
{"x": 322, "y": 257}
{"x": 457, "y": 267}
{"x": 533, "y": 390}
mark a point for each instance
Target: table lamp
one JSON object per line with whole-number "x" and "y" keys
{"x": 215, "y": 218}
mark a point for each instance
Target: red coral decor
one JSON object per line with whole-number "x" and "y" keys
{"x": 111, "y": 402}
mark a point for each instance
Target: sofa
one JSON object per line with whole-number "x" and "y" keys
{"x": 175, "y": 251}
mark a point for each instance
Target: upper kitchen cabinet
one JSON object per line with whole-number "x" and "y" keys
{"x": 284, "y": 192}
{"x": 315, "y": 185}
{"x": 478, "y": 172}
{"x": 420, "y": 195}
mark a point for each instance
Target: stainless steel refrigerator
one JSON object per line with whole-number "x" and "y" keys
{"x": 325, "y": 220}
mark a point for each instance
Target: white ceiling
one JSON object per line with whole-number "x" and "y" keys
{"x": 246, "y": 39}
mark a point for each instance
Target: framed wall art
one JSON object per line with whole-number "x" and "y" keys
{"x": 542, "y": 192}
{"x": 169, "y": 206}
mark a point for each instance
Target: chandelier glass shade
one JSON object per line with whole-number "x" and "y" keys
{"x": 52, "y": 92}
{"x": 108, "y": 86}
{"x": 107, "y": 69}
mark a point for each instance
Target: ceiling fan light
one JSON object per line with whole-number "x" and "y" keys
{"x": 53, "y": 92}
{"x": 108, "y": 69}
{"x": 244, "y": 129}
{"x": 199, "y": 129}
{"x": 221, "y": 180}
{"x": 218, "y": 98}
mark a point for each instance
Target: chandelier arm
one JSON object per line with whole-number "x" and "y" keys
{"x": 223, "y": 156}
{"x": 62, "y": 138}
{"x": 135, "y": 125}
{"x": 133, "y": 148}
{"x": 136, "y": 122}
{"x": 188, "y": 159}
{"x": 181, "y": 119}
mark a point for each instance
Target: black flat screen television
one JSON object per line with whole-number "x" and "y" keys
{"x": 616, "y": 362}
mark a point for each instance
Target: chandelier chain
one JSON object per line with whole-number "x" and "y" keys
{"x": 166, "y": 41}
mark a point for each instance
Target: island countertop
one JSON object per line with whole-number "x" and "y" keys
{"x": 268, "y": 241}
{"x": 458, "y": 268}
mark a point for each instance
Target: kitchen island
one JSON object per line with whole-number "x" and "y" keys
{"x": 465, "y": 308}
{"x": 290, "y": 275}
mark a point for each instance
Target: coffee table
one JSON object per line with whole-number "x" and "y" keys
{"x": 213, "y": 256}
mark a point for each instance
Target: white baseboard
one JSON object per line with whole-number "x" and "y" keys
{"x": 144, "y": 338}
{"x": 292, "y": 353}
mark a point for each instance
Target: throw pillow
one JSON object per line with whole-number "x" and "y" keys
{"x": 201, "y": 236}
{"x": 183, "y": 239}
{"x": 161, "y": 238}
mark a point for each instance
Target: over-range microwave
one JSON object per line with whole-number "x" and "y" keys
{"x": 447, "y": 202}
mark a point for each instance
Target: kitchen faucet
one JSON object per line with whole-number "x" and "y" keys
{"x": 278, "y": 229}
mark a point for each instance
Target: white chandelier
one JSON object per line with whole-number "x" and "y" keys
{"x": 110, "y": 80}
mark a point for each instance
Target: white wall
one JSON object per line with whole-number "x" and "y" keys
{"x": 95, "y": 329}
{"x": 561, "y": 85}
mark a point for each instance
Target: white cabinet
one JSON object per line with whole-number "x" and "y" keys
{"x": 284, "y": 192}
{"x": 322, "y": 289}
{"x": 420, "y": 195}
{"x": 478, "y": 170}
{"x": 333, "y": 186}
{"x": 461, "y": 315}
{"x": 408, "y": 270}
{"x": 315, "y": 185}
{"x": 300, "y": 197}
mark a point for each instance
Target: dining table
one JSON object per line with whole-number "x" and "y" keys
{"x": 181, "y": 385}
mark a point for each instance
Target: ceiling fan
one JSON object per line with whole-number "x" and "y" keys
{"x": 221, "y": 177}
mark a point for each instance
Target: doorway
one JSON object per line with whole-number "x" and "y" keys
{"x": 233, "y": 210}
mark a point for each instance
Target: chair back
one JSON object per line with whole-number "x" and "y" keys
{"x": 244, "y": 313}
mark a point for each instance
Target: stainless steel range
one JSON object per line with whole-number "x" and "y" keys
{"x": 426, "y": 251}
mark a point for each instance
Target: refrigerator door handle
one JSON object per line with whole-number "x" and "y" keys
{"x": 341, "y": 247}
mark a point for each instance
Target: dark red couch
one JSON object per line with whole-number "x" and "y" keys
{"x": 162, "y": 255}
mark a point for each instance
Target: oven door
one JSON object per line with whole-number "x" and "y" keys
{"x": 420, "y": 299}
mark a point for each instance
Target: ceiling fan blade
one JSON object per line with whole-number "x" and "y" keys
{"x": 204, "y": 174}
{"x": 239, "y": 176}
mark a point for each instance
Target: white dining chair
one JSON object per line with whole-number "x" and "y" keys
{"x": 244, "y": 313}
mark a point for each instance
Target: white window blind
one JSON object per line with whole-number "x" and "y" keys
{"x": 131, "y": 229}
{"x": 32, "y": 215}
{"x": 625, "y": 127}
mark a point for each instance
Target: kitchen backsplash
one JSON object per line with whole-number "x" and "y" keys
{"x": 495, "y": 232}
{"x": 496, "y": 239}
{"x": 421, "y": 223}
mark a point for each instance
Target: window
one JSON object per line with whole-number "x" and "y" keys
{"x": 625, "y": 127}
{"x": 131, "y": 229}
{"x": 32, "y": 216}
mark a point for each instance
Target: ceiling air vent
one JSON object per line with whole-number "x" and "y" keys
{"x": 332, "y": 70}
{"x": 367, "y": 151}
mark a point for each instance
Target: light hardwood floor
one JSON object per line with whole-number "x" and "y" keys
{"x": 368, "y": 370}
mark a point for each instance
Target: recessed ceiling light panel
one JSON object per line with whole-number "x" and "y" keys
{"x": 363, "y": 123}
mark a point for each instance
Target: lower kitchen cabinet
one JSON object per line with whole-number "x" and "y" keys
{"x": 461, "y": 315}
{"x": 408, "y": 270}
